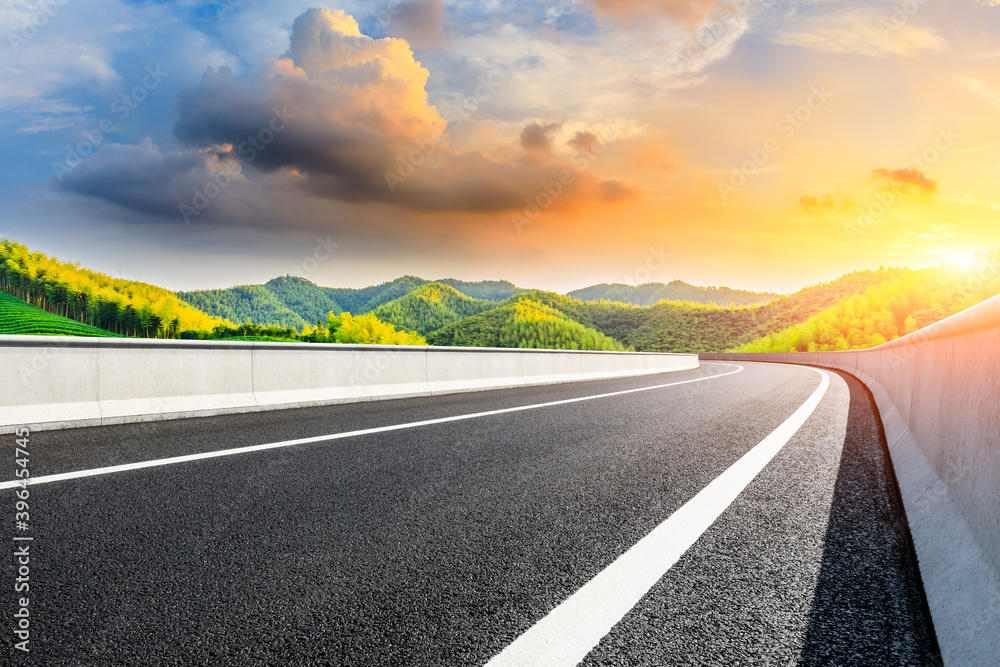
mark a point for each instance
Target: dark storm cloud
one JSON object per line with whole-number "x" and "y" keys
{"x": 340, "y": 116}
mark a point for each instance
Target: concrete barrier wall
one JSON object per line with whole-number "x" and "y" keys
{"x": 61, "y": 382}
{"x": 938, "y": 392}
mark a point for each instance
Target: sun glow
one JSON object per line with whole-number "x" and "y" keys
{"x": 962, "y": 259}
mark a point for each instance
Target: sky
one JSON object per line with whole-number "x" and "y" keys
{"x": 764, "y": 145}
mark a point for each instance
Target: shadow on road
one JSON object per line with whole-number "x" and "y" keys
{"x": 869, "y": 606}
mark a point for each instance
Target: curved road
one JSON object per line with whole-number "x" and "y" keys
{"x": 480, "y": 527}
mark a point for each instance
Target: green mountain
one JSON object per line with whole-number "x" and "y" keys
{"x": 690, "y": 327}
{"x": 677, "y": 290}
{"x": 367, "y": 299}
{"x": 488, "y": 290}
{"x": 523, "y": 322}
{"x": 289, "y": 301}
{"x": 430, "y": 307}
{"x": 306, "y": 299}
{"x": 256, "y": 303}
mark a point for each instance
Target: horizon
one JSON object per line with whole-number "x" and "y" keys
{"x": 964, "y": 264}
{"x": 748, "y": 145}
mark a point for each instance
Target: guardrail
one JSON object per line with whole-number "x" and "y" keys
{"x": 938, "y": 392}
{"x": 61, "y": 382}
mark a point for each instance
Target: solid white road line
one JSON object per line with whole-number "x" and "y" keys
{"x": 44, "y": 479}
{"x": 570, "y": 631}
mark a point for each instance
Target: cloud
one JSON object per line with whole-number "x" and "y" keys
{"x": 585, "y": 142}
{"x": 866, "y": 31}
{"x": 905, "y": 181}
{"x": 827, "y": 204}
{"x": 822, "y": 205}
{"x": 689, "y": 12}
{"x": 536, "y": 140}
{"x": 615, "y": 191}
{"x": 353, "y": 104}
{"x": 420, "y": 23}
{"x": 139, "y": 177}
{"x": 340, "y": 116}
{"x": 986, "y": 92}
{"x": 812, "y": 204}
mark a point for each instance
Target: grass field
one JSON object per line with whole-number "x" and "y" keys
{"x": 18, "y": 317}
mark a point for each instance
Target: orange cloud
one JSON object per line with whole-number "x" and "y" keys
{"x": 821, "y": 205}
{"x": 812, "y": 204}
{"x": 585, "y": 142}
{"x": 905, "y": 181}
{"x": 690, "y": 12}
{"x": 615, "y": 191}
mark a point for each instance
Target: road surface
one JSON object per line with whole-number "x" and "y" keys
{"x": 513, "y": 520}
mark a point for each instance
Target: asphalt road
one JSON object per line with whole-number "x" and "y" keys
{"x": 444, "y": 543}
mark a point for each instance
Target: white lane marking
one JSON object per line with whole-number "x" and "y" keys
{"x": 570, "y": 631}
{"x": 335, "y": 436}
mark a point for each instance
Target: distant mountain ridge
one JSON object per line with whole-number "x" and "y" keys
{"x": 291, "y": 301}
{"x": 676, "y": 290}
{"x": 672, "y": 317}
{"x": 668, "y": 326}
{"x": 45, "y": 295}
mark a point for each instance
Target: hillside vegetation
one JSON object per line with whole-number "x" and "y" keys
{"x": 677, "y": 290}
{"x": 121, "y": 306}
{"x": 255, "y": 303}
{"x": 363, "y": 329}
{"x": 290, "y": 301}
{"x": 860, "y": 309}
{"x": 693, "y": 327}
{"x": 431, "y": 307}
{"x": 23, "y": 319}
{"x": 526, "y": 323}
{"x": 488, "y": 290}
{"x": 909, "y": 301}
{"x": 367, "y": 299}
{"x": 43, "y": 295}
{"x": 303, "y": 297}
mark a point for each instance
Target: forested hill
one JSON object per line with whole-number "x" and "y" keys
{"x": 674, "y": 326}
{"x": 909, "y": 301}
{"x": 290, "y": 301}
{"x": 523, "y": 322}
{"x": 488, "y": 290}
{"x": 245, "y": 302}
{"x": 118, "y": 305}
{"x": 677, "y": 290}
{"x": 861, "y": 309}
{"x": 367, "y": 299}
{"x": 448, "y": 317}
{"x": 431, "y": 307}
